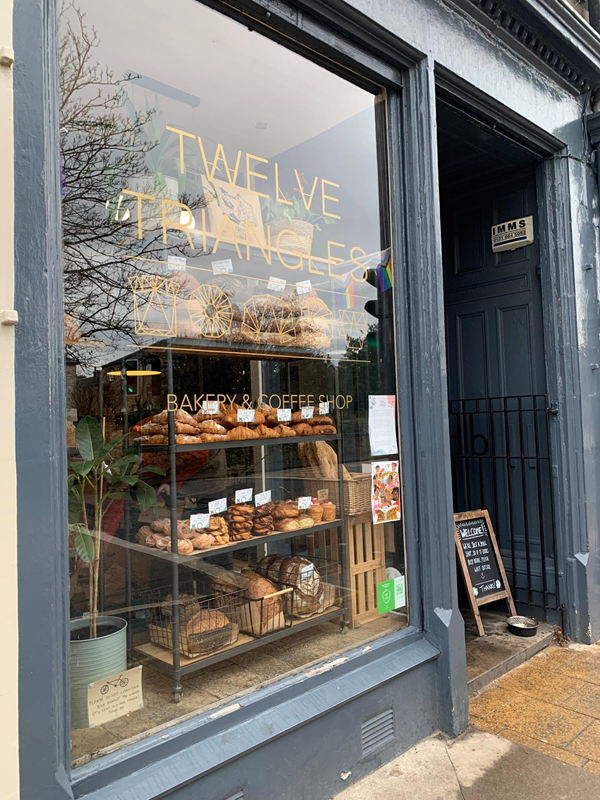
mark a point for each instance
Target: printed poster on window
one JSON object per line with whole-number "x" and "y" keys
{"x": 382, "y": 424}
{"x": 385, "y": 491}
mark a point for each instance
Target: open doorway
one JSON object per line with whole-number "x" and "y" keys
{"x": 497, "y": 386}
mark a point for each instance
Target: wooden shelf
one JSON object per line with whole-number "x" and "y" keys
{"x": 244, "y": 643}
{"x": 187, "y": 448}
{"x": 188, "y": 560}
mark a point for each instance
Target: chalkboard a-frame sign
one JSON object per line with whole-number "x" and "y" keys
{"x": 480, "y": 562}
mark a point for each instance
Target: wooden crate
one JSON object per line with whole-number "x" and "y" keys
{"x": 365, "y": 566}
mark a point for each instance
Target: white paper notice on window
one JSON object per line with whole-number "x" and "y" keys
{"x": 303, "y": 287}
{"x": 284, "y": 415}
{"x": 218, "y": 267}
{"x": 262, "y": 497}
{"x": 210, "y": 406}
{"x": 304, "y": 502}
{"x": 276, "y": 284}
{"x": 243, "y": 495}
{"x": 199, "y": 521}
{"x": 218, "y": 506}
{"x": 245, "y": 415}
{"x": 307, "y": 413}
{"x": 177, "y": 263}
{"x": 382, "y": 424}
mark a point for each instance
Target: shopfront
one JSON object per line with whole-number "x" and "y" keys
{"x": 232, "y": 372}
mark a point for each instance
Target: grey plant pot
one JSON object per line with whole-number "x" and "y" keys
{"x": 92, "y": 660}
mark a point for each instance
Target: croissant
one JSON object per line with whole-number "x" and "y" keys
{"x": 156, "y": 439}
{"x": 180, "y": 416}
{"x": 231, "y": 420}
{"x": 240, "y": 433}
{"x": 184, "y": 438}
{"x": 283, "y": 430}
{"x": 302, "y": 429}
{"x": 215, "y": 437}
{"x": 210, "y": 426}
{"x": 265, "y": 433}
{"x": 322, "y": 430}
{"x": 324, "y": 420}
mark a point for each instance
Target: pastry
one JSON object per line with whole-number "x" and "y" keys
{"x": 240, "y": 433}
{"x": 328, "y": 511}
{"x": 286, "y": 525}
{"x": 162, "y": 542}
{"x": 303, "y": 429}
{"x": 266, "y": 410}
{"x": 184, "y": 531}
{"x": 143, "y": 533}
{"x": 305, "y": 521}
{"x": 202, "y": 416}
{"x": 210, "y": 426}
{"x": 310, "y": 304}
{"x": 180, "y": 416}
{"x": 214, "y": 437}
{"x": 314, "y": 340}
{"x": 231, "y": 420}
{"x": 285, "y": 510}
{"x": 323, "y": 430}
{"x": 161, "y": 525}
{"x": 203, "y": 541}
{"x": 284, "y": 430}
{"x": 184, "y": 547}
{"x": 315, "y": 512}
{"x": 184, "y": 438}
{"x": 263, "y": 432}
{"x": 155, "y": 439}
{"x": 320, "y": 420}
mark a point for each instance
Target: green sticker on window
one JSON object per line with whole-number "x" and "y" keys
{"x": 390, "y": 595}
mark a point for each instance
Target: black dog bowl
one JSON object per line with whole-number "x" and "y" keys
{"x": 522, "y": 626}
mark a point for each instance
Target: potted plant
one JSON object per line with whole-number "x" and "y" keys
{"x": 295, "y": 218}
{"x": 102, "y": 477}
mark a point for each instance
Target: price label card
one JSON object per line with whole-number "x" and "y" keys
{"x": 307, "y": 413}
{"x": 262, "y": 497}
{"x": 177, "y": 263}
{"x": 199, "y": 521}
{"x": 210, "y": 406}
{"x": 304, "y": 502}
{"x": 323, "y": 494}
{"x": 243, "y": 496}
{"x": 307, "y": 571}
{"x": 284, "y": 415}
{"x": 303, "y": 287}
{"x": 324, "y": 408}
{"x": 245, "y": 415}
{"x": 276, "y": 284}
{"x": 217, "y": 506}
{"x": 219, "y": 267}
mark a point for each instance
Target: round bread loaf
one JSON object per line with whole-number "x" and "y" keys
{"x": 257, "y": 588}
{"x": 301, "y": 574}
{"x": 269, "y": 566}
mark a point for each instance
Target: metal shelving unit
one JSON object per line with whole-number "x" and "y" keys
{"x": 172, "y": 660}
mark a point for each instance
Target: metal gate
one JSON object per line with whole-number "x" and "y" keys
{"x": 500, "y": 450}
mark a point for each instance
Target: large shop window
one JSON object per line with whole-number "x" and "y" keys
{"x": 235, "y": 492}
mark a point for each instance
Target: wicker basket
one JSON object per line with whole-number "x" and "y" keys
{"x": 357, "y": 491}
{"x": 298, "y": 243}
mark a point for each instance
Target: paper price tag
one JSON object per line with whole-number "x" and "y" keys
{"x": 210, "y": 406}
{"x": 307, "y": 571}
{"x": 245, "y": 415}
{"x": 217, "y": 506}
{"x": 324, "y": 408}
{"x": 303, "y": 287}
{"x": 284, "y": 415}
{"x": 276, "y": 284}
{"x": 323, "y": 494}
{"x": 177, "y": 263}
{"x": 199, "y": 521}
{"x": 262, "y": 497}
{"x": 243, "y": 495}
{"x": 219, "y": 267}
{"x": 304, "y": 502}
{"x": 307, "y": 413}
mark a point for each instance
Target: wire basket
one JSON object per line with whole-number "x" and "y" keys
{"x": 206, "y": 624}
{"x": 314, "y": 585}
{"x": 258, "y": 616}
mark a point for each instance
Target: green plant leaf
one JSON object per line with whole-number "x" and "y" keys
{"x": 84, "y": 544}
{"x": 153, "y": 468}
{"x": 130, "y": 480}
{"x": 146, "y": 496}
{"x": 328, "y": 221}
{"x": 74, "y": 504}
{"x": 118, "y": 495}
{"x": 89, "y": 438}
{"x": 81, "y": 467}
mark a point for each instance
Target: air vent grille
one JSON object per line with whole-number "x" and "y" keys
{"x": 377, "y": 731}
{"x": 241, "y": 795}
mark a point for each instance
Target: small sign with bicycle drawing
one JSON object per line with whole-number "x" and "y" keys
{"x": 115, "y": 696}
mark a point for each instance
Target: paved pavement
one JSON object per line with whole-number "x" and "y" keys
{"x": 535, "y": 735}
{"x": 476, "y": 766}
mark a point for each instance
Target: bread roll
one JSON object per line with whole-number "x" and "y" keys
{"x": 286, "y": 525}
{"x": 285, "y": 510}
{"x": 203, "y": 541}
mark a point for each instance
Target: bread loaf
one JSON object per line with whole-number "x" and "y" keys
{"x": 257, "y": 588}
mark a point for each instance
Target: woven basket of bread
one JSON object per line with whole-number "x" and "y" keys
{"x": 261, "y": 610}
{"x": 322, "y": 474}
